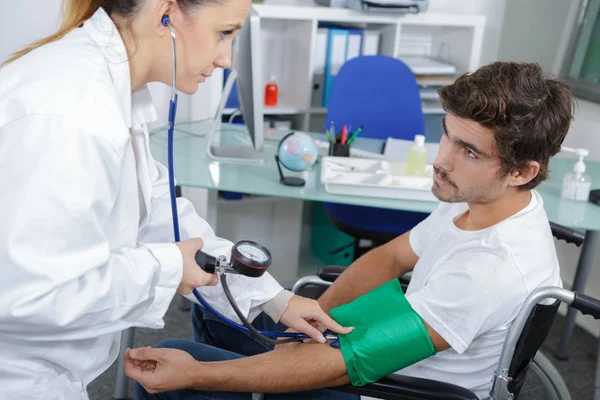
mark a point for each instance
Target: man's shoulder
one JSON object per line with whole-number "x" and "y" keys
{"x": 528, "y": 228}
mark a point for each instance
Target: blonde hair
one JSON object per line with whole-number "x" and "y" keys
{"x": 75, "y": 13}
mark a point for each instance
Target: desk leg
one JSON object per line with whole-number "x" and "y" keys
{"x": 597, "y": 380}
{"x": 584, "y": 267}
{"x": 122, "y": 381}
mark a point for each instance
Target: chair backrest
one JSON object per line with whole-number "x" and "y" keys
{"x": 533, "y": 335}
{"x": 379, "y": 92}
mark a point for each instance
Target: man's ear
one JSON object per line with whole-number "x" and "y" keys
{"x": 520, "y": 177}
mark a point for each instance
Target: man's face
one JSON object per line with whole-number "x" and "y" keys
{"x": 467, "y": 168}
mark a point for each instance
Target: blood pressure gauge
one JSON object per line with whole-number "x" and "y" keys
{"x": 247, "y": 258}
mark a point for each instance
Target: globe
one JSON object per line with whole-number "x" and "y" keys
{"x": 297, "y": 151}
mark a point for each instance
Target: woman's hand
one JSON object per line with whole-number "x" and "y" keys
{"x": 193, "y": 275}
{"x": 306, "y": 316}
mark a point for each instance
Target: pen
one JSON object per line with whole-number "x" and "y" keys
{"x": 355, "y": 134}
{"x": 328, "y": 135}
{"x": 344, "y": 133}
{"x": 332, "y": 130}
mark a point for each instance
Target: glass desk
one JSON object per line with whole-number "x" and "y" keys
{"x": 194, "y": 168}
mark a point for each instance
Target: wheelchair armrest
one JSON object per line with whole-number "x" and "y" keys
{"x": 567, "y": 234}
{"x": 330, "y": 272}
{"x": 400, "y": 387}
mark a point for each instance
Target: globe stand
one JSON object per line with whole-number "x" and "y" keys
{"x": 288, "y": 180}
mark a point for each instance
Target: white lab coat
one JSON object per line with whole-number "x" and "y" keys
{"x": 85, "y": 221}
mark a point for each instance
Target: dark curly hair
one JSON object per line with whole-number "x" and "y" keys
{"x": 528, "y": 111}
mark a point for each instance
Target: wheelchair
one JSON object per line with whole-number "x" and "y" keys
{"x": 519, "y": 354}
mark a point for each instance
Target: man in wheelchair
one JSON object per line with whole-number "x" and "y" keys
{"x": 474, "y": 261}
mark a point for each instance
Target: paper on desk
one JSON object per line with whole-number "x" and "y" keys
{"x": 397, "y": 150}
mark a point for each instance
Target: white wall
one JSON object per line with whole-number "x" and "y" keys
{"x": 493, "y": 10}
{"x": 526, "y": 38}
{"x": 26, "y": 26}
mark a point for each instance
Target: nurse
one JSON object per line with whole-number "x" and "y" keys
{"x": 86, "y": 242}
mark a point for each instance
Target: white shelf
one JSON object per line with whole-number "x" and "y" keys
{"x": 427, "y": 109}
{"x": 433, "y": 109}
{"x": 347, "y": 15}
{"x": 320, "y": 13}
{"x": 442, "y": 19}
{"x": 317, "y": 110}
{"x": 288, "y": 36}
{"x": 423, "y": 65}
{"x": 429, "y": 94}
{"x": 283, "y": 110}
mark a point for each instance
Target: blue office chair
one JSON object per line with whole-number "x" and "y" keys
{"x": 381, "y": 94}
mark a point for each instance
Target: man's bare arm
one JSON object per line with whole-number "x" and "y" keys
{"x": 373, "y": 269}
{"x": 293, "y": 368}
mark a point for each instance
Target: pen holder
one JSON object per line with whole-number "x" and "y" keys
{"x": 339, "y": 149}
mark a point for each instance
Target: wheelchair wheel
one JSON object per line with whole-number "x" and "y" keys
{"x": 546, "y": 382}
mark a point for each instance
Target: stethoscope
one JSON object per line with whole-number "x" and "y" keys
{"x": 247, "y": 258}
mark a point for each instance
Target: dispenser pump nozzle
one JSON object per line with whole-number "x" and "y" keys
{"x": 579, "y": 166}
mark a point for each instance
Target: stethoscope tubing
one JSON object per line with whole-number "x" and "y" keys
{"x": 175, "y": 215}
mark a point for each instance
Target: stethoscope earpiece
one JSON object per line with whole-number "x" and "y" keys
{"x": 165, "y": 20}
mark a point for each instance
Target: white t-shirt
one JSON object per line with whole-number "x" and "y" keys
{"x": 470, "y": 285}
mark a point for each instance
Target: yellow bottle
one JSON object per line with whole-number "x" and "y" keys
{"x": 417, "y": 157}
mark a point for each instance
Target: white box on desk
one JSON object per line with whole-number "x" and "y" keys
{"x": 375, "y": 178}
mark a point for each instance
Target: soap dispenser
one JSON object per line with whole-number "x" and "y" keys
{"x": 576, "y": 183}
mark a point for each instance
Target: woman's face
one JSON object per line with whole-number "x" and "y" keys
{"x": 204, "y": 41}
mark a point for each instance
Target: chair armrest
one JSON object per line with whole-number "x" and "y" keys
{"x": 330, "y": 273}
{"x": 400, "y": 387}
{"x": 569, "y": 235}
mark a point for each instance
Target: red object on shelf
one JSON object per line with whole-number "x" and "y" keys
{"x": 271, "y": 93}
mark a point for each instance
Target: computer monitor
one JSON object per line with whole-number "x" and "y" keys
{"x": 246, "y": 72}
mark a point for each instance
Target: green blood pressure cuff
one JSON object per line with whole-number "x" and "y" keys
{"x": 389, "y": 334}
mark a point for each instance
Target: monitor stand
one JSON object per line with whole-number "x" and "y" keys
{"x": 230, "y": 154}
{"x": 237, "y": 154}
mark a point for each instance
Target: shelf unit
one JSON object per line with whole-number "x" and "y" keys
{"x": 288, "y": 36}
